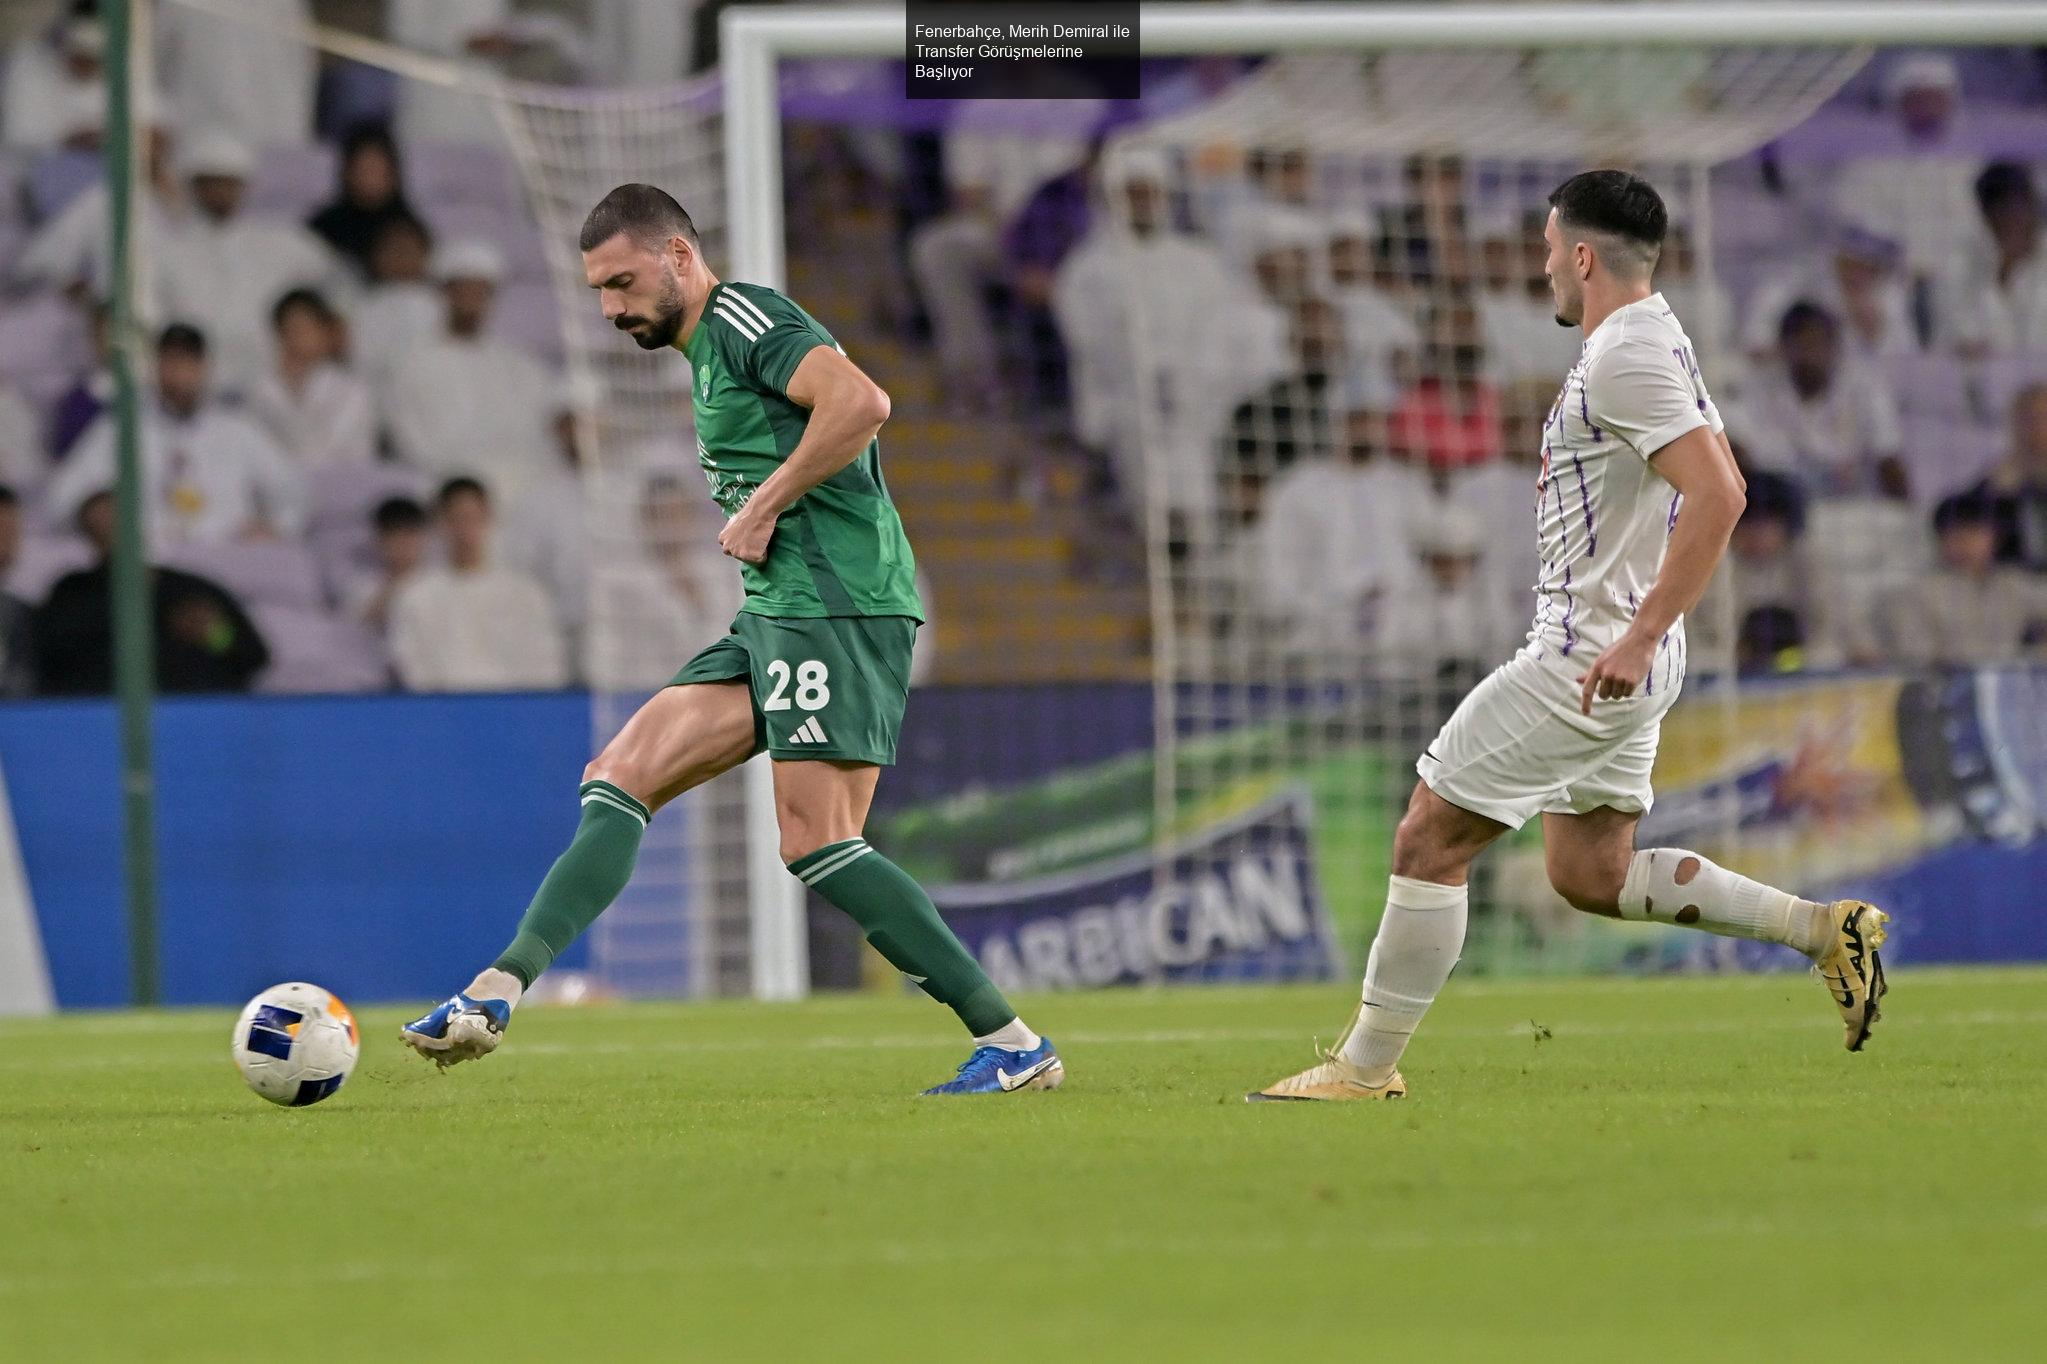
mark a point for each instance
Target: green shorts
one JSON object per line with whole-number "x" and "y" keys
{"x": 828, "y": 687}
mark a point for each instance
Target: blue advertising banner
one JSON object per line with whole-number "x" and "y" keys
{"x": 1241, "y": 903}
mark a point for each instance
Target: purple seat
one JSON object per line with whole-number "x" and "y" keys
{"x": 526, "y": 316}
{"x": 56, "y": 178}
{"x": 1929, "y": 386}
{"x": 265, "y": 573}
{"x": 442, "y": 174}
{"x": 312, "y": 651}
{"x": 1944, "y": 457}
{"x": 42, "y": 344}
{"x": 291, "y": 181}
{"x": 343, "y": 498}
{"x": 43, "y": 559}
{"x": 1999, "y": 380}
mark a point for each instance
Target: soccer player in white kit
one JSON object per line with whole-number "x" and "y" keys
{"x": 1636, "y": 500}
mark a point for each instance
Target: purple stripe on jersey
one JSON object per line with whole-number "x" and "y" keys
{"x": 1585, "y": 410}
{"x": 1570, "y": 605}
{"x": 1671, "y": 524}
{"x": 1585, "y": 501}
{"x": 1650, "y": 690}
{"x": 1632, "y": 608}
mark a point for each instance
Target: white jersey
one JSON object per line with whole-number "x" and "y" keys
{"x": 1603, "y": 516}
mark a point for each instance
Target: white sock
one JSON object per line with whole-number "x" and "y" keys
{"x": 1673, "y": 886}
{"x": 495, "y": 984}
{"x": 1011, "y": 1036}
{"x": 1418, "y": 943}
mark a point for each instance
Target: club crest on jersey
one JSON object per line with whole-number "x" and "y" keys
{"x": 704, "y": 386}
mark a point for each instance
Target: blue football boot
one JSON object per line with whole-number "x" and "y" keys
{"x": 460, "y": 1030}
{"x": 997, "y": 1070}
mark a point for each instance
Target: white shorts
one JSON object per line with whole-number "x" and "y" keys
{"x": 1517, "y": 746}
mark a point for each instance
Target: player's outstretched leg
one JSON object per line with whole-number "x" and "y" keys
{"x": 1416, "y": 948}
{"x": 819, "y": 801}
{"x": 1593, "y": 864}
{"x": 684, "y": 736}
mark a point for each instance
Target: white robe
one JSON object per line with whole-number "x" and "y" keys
{"x": 1162, "y": 322}
{"x": 248, "y": 79}
{"x": 44, "y": 105}
{"x": 492, "y": 629}
{"x": 480, "y": 408}
{"x": 1331, "y": 549}
{"x": 205, "y": 477}
{"x": 225, "y": 277}
{"x": 330, "y": 419}
{"x": 388, "y": 321}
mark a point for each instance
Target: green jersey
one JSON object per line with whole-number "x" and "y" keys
{"x": 839, "y": 550}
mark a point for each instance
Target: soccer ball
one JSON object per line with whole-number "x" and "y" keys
{"x": 295, "y": 1044}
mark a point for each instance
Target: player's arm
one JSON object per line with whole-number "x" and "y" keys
{"x": 1700, "y": 465}
{"x": 847, "y": 409}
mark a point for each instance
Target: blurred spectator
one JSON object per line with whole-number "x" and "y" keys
{"x": 1999, "y": 300}
{"x": 1971, "y": 610}
{"x": 1701, "y": 304}
{"x": 1274, "y": 200}
{"x": 17, "y": 640}
{"x": 1292, "y": 419}
{"x": 209, "y": 473}
{"x": 371, "y": 193}
{"x": 492, "y": 34}
{"x": 677, "y": 591}
{"x": 1766, "y": 591}
{"x": 205, "y": 641}
{"x": 254, "y": 80}
{"x": 1501, "y": 492}
{"x": 1517, "y": 314}
{"x": 401, "y": 546}
{"x": 1820, "y": 418}
{"x": 70, "y": 251}
{"x": 1330, "y": 546}
{"x": 401, "y": 308}
{"x": 90, "y": 391}
{"x": 56, "y": 94}
{"x": 317, "y": 411}
{"x": 22, "y": 461}
{"x": 1919, "y": 196}
{"x": 1053, "y": 221}
{"x": 1138, "y": 304}
{"x": 464, "y": 402}
{"x": 224, "y": 270}
{"x": 547, "y": 527}
{"x": 1449, "y": 621}
{"x": 1377, "y": 305}
{"x": 2019, "y": 484}
{"x": 1451, "y": 417}
{"x": 1861, "y": 285}
{"x": 470, "y": 624}
{"x": 1430, "y": 229}
{"x": 997, "y": 154}
{"x": 1286, "y": 256}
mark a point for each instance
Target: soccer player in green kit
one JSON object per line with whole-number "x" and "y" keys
{"x": 815, "y": 670}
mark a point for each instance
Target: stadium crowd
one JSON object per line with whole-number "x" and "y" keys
{"x": 362, "y": 471}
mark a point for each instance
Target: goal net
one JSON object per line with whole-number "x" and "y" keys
{"x": 1319, "y": 348}
{"x": 624, "y": 539}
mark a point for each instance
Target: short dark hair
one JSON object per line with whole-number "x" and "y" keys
{"x": 312, "y": 300}
{"x": 1773, "y": 497}
{"x": 1974, "y": 507}
{"x": 183, "y": 337}
{"x": 2001, "y": 183}
{"x": 1802, "y": 314}
{"x": 1617, "y": 204}
{"x": 646, "y": 213}
{"x": 398, "y": 513}
{"x": 460, "y": 486}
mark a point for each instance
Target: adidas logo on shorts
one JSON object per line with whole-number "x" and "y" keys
{"x": 809, "y": 732}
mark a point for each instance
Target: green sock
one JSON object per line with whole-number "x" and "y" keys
{"x": 583, "y": 881}
{"x": 902, "y": 923}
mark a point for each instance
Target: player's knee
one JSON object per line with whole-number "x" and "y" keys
{"x": 1593, "y": 888}
{"x": 620, "y": 772}
{"x": 1418, "y": 852}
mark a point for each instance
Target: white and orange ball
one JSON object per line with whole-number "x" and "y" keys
{"x": 296, "y": 1043}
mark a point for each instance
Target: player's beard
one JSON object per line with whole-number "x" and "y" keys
{"x": 663, "y": 327}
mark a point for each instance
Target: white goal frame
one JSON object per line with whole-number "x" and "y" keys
{"x": 753, "y": 42}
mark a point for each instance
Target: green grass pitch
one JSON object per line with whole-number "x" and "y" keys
{"x": 1667, "y": 1169}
